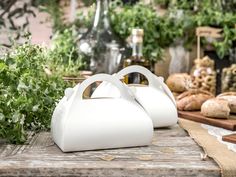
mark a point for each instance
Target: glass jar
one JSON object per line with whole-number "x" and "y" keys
{"x": 102, "y": 48}
{"x": 204, "y": 75}
{"x": 228, "y": 80}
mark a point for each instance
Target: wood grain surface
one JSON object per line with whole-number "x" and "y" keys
{"x": 172, "y": 153}
{"x": 230, "y": 138}
{"x": 229, "y": 124}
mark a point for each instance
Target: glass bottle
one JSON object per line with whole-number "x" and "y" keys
{"x": 136, "y": 58}
{"x": 102, "y": 48}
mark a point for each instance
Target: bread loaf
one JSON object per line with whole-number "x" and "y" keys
{"x": 179, "y": 82}
{"x": 216, "y": 108}
{"x": 192, "y": 100}
{"x": 231, "y": 98}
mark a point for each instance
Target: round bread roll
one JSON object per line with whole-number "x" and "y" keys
{"x": 216, "y": 108}
{"x": 231, "y": 98}
{"x": 179, "y": 82}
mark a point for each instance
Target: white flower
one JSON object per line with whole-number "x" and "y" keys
{"x": 35, "y": 108}
{"x": 16, "y": 117}
{"x": 2, "y": 116}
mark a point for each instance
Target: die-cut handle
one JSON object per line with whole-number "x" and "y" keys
{"x": 153, "y": 80}
{"x": 102, "y": 77}
{"x": 136, "y": 69}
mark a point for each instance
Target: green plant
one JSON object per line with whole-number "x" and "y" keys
{"x": 229, "y": 6}
{"x": 179, "y": 4}
{"x": 192, "y": 5}
{"x": 27, "y": 95}
{"x": 215, "y": 17}
{"x": 139, "y": 16}
{"x": 83, "y": 21}
{"x": 207, "y": 13}
{"x": 223, "y": 47}
{"x": 65, "y": 58}
{"x": 160, "y": 32}
{"x": 163, "y": 31}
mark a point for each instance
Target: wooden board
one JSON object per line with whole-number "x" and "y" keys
{"x": 230, "y": 138}
{"x": 172, "y": 153}
{"x": 229, "y": 124}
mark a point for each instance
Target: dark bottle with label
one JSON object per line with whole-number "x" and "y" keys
{"x": 136, "y": 58}
{"x": 102, "y": 48}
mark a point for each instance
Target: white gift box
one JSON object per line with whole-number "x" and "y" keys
{"x": 156, "y": 98}
{"x": 80, "y": 124}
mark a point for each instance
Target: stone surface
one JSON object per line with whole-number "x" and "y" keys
{"x": 172, "y": 153}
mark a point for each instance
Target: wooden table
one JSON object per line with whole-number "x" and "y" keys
{"x": 172, "y": 153}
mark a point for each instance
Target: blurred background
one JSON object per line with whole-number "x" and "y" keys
{"x": 169, "y": 26}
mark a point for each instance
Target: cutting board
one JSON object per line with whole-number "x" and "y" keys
{"x": 230, "y": 138}
{"x": 229, "y": 124}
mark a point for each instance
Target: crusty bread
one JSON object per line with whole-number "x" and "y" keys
{"x": 216, "y": 108}
{"x": 231, "y": 98}
{"x": 176, "y": 94}
{"x": 178, "y": 82}
{"x": 192, "y": 100}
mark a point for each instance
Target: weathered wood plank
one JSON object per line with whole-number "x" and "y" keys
{"x": 6, "y": 149}
{"x": 174, "y": 131}
{"x": 120, "y": 168}
{"x": 172, "y": 153}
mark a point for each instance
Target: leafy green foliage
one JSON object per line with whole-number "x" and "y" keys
{"x": 180, "y": 4}
{"x": 220, "y": 14}
{"x": 139, "y": 16}
{"x": 223, "y": 47}
{"x": 27, "y": 95}
{"x": 163, "y": 31}
{"x": 213, "y": 16}
{"x": 189, "y": 5}
{"x": 160, "y": 32}
{"x": 65, "y": 58}
{"x": 83, "y": 21}
{"x": 229, "y": 6}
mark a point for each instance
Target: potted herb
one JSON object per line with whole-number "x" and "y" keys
{"x": 65, "y": 60}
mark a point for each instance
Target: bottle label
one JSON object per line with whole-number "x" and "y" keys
{"x": 137, "y": 39}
